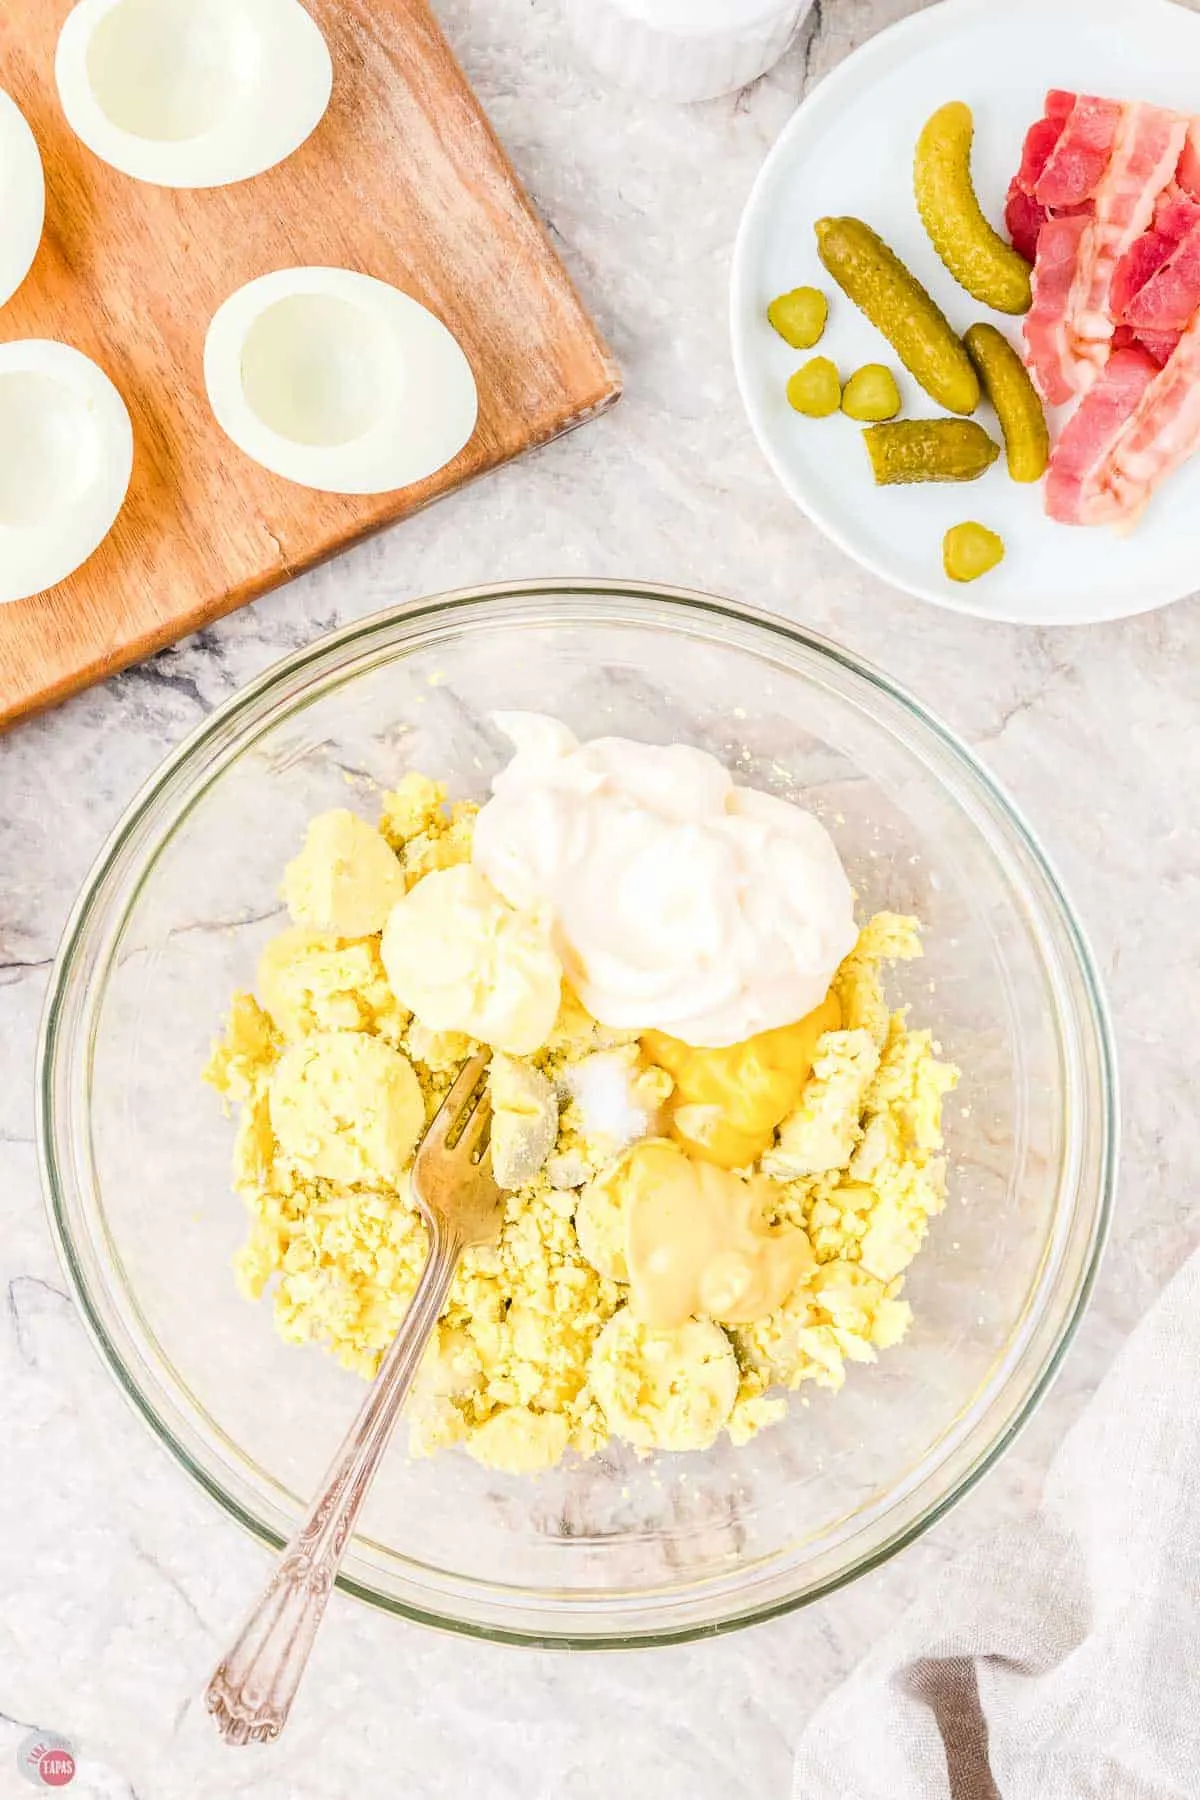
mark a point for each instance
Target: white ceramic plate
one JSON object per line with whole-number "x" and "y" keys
{"x": 849, "y": 149}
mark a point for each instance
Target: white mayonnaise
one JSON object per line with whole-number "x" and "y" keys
{"x": 676, "y": 901}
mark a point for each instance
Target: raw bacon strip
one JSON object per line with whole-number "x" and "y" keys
{"x": 1048, "y": 351}
{"x": 1163, "y": 433}
{"x": 1023, "y": 215}
{"x": 1075, "y": 489}
{"x": 1169, "y": 298}
{"x": 1041, "y": 140}
{"x": 1076, "y": 137}
{"x": 1176, "y": 213}
{"x": 1139, "y": 264}
{"x": 1082, "y": 153}
{"x": 1024, "y": 219}
{"x": 1143, "y": 162}
{"x": 1159, "y": 345}
{"x": 1107, "y": 201}
{"x": 1189, "y": 162}
{"x": 1176, "y": 216}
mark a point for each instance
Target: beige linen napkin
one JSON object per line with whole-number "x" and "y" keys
{"x": 1060, "y": 1659}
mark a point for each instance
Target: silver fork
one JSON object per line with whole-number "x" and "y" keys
{"x": 252, "y": 1688}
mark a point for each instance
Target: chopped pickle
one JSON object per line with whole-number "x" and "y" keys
{"x": 895, "y": 302}
{"x": 977, "y": 257}
{"x": 970, "y": 550}
{"x": 929, "y": 450}
{"x": 871, "y": 394}
{"x": 816, "y": 389}
{"x": 1007, "y": 385}
{"x": 800, "y": 317}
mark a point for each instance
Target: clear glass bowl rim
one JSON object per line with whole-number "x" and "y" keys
{"x": 594, "y": 601}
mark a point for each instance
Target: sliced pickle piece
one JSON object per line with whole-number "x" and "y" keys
{"x": 970, "y": 550}
{"x": 871, "y": 395}
{"x": 815, "y": 389}
{"x": 800, "y": 317}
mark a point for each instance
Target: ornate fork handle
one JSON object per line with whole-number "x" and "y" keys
{"x": 253, "y": 1687}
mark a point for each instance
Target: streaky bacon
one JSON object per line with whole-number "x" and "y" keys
{"x": 1024, "y": 219}
{"x": 1082, "y": 153}
{"x": 1106, "y": 203}
{"x": 1023, "y": 214}
{"x": 1075, "y": 490}
{"x": 1189, "y": 162}
{"x": 1175, "y": 213}
{"x": 1162, "y": 434}
{"x": 1159, "y": 345}
{"x": 1169, "y": 298}
{"x": 1048, "y": 350}
{"x": 1041, "y": 140}
{"x": 1143, "y": 259}
{"x": 1176, "y": 216}
{"x": 1144, "y": 159}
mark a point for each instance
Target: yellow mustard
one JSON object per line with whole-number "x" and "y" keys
{"x": 727, "y": 1103}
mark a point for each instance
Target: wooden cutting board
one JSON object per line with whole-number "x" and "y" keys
{"x": 403, "y": 179}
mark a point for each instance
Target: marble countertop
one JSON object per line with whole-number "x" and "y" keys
{"x": 120, "y": 1580}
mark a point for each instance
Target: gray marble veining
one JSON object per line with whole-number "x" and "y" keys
{"x": 119, "y": 1579}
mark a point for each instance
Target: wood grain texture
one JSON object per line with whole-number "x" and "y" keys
{"x": 403, "y": 179}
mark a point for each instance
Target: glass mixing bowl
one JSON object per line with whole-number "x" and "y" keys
{"x": 614, "y": 1550}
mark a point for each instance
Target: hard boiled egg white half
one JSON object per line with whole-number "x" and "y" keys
{"x": 66, "y": 455}
{"x": 22, "y": 198}
{"x": 192, "y": 93}
{"x": 338, "y": 381}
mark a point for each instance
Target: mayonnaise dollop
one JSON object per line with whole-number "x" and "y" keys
{"x": 676, "y": 901}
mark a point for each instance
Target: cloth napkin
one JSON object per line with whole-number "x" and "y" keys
{"x": 1059, "y": 1660}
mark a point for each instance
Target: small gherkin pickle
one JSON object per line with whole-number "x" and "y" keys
{"x": 1007, "y": 385}
{"x": 977, "y": 257}
{"x": 970, "y": 550}
{"x": 929, "y": 450}
{"x": 871, "y": 394}
{"x": 815, "y": 389}
{"x": 873, "y": 276}
{"x": 800, "y": 317}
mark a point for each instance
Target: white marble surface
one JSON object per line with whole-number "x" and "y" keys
{"x": 118, "y": 1580}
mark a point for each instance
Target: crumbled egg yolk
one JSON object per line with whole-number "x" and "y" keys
{"x": 309, "y": 981}
{"x": 346, "y": 1106}
{"x": 539, "y": 1351}
{"x": 345, "y": 879}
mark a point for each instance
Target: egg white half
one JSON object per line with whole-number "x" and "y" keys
{"x": 338, "y": 381}
{"x": 22, "y": 198}
{"x": 66, "y": 456}
{"x": 192, "y": 93}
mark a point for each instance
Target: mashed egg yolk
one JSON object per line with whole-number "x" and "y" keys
{"x": 727, "y": 1103}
